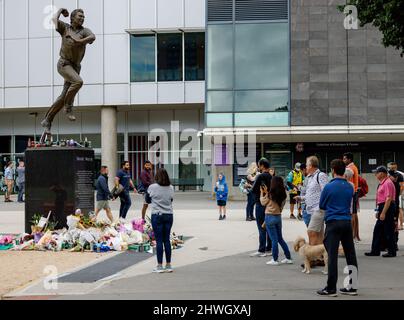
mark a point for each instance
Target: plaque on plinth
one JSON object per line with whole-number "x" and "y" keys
{"x": 58, "y": 179}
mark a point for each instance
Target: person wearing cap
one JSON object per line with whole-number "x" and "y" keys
{"x": 385, "y": 211}
{"x": 294, "y": 181}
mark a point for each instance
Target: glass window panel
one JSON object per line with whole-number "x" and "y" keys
{"x": 5, "y": 144}
{"x": 95, "y": 139}
{"x": 169, "y": 56}
{"x": 262, "y": 100}
{"x": 194, "y": 56}
{"x": 21, "y": 143}
{"x": 220, "y": 101}
{"x": 219, "y": 119}
{"x": 262, "y": 56}
{"x": 121, "y": 142}
{"x": 220, "y": 57}
{"x": 261, "y": 119}
{"x": 142, "y": 58}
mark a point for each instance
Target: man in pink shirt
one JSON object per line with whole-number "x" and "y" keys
{"x": 385, "y": 210}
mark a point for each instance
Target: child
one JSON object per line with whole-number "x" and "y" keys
{"x": 221, "y": 190}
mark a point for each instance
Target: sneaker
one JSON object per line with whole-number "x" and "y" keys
{"x": 224, "y": 217}
{"x": 255, "y": 254}
{"x": 45, "y": 123}
{"x": 287, "y": 261}
{"x": 158, "y": 269}
{"x": 220, "y": 217}
{"x": 349, "y": 292}
{"x": 253, "y": 219}
{"x": 292, "y": 217}
{"x": 273, "y": 263}
{"x": 326, "y": 292}
{"x": 168, "y": 268}
{"x": 268, "y": 253}
{"x": 248, "y": 219}
{"x": 299, "y": 217}
{"x": 371, "y": 254}
{"x": 389, "y": 255}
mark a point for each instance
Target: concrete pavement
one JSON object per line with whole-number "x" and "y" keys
{"x": 214, "y": 264}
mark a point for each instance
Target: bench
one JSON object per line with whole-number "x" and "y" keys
{"x": 182, "y": 183}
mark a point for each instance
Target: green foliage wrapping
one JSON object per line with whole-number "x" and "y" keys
{"x": 386, "y": 15}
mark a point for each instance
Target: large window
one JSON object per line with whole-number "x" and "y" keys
{"x": 248, "y": 74}
{"x": 194, "y": 56}
{"x": 261, "y": 100}
{"x": 261, "y": 56}
{"x": 180, "y": 56}
{"x": 220, "y": 57}
{"x": 142, "y": 58}
{"x": 169, "y": 57}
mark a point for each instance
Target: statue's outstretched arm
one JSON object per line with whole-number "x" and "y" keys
{"x": 55, "y": 18}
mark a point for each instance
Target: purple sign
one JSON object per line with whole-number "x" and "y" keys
{"x": 221, "y": 155}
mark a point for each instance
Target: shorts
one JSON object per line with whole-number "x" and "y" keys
{"x": 221, "y": 203}
{"x": 293, "y": 201}
{"x": 317, "y": 222}
{"x": 306, "y": 218}
{"x": 103, "y": 204}
{"x": 355, "y": 203}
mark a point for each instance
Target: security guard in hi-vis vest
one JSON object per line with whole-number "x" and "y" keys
{"x": 294, "y": 182}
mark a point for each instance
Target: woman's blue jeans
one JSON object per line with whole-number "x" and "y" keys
{"x": 161, "y": 225}
{"x": 274, "y": 228}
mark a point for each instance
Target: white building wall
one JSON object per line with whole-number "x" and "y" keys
{"x": 29, "y": 51}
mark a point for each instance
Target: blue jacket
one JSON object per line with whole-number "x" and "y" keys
{"x": 222, "y": 190}
{"x": 103, "y": 192}
{"x": 336, "y": 200}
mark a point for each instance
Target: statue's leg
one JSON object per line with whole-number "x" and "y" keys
{"x": 71, "y": 74}
{"x": 55, "y": 108}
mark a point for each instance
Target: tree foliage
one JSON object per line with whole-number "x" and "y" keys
{"x": 386, "y": 15}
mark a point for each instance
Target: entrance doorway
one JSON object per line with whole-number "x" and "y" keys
{"x": 187, "y": 172}
{"x": 281, "y": 161}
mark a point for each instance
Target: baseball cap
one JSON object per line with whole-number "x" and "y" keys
{"x": 298, "y": 165}
{"x": 380, "y": 169}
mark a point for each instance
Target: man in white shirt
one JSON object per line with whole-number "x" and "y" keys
{"x": 316, "y": 181}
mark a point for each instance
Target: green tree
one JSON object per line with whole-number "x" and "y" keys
{"x": 386, "y": 15}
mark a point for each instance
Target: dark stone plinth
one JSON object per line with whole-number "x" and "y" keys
{"x": 58, "y": 180}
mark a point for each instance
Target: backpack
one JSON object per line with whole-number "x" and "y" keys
{"x": 363, "y": 187}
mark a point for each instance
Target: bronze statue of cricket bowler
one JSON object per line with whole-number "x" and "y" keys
{"x": 74, "y": 40}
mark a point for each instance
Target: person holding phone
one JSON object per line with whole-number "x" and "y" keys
{"x": 263, "y": 179}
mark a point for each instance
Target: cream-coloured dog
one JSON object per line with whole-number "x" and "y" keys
{"x": 310, "y": 253}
